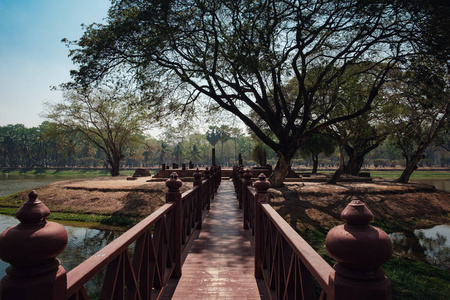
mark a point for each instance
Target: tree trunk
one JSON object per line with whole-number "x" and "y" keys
{"x": 114, "y": 164}
{"x": 115, "y": 169}
{"x": 411, "y": 166}
{"x": 354, "y": 164}
{"x": 340, "y": 170}
{"x": 280, "y": 171}
{"x": 315, "y": 160}
{"x": 336, "y": 175}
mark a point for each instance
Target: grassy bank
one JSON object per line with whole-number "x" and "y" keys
{"x": 410, "y": 279}
{"x": 394, "y": 174}
{"x": 110, "y": 220}
{"x": 416, "y": 175}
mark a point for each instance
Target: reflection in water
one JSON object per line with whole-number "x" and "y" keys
{"x": 431, "y": 245}
{"x": 82, "y": 244}
{"x": 439, "y": 184}
{"x": 10, "y": 184}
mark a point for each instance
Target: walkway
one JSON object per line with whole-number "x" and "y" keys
{"x": 220, "y": 262}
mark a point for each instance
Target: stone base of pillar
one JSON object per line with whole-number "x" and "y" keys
{"x": 51, "y": 285}
{"x": 351, "y": 289}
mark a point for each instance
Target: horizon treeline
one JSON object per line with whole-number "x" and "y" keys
{"x": 41, "y": 147}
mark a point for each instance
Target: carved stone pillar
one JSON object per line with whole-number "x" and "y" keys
{"x": 359, "y": 250}
{"x": 31, "y": 248}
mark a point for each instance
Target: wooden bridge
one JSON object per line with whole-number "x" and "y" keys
{"x": 219, "y": 240}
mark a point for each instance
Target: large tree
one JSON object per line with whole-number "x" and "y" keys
{"x": 422, "y": 95}
{"x": 315, "y": 145}
{"x": 241, "y": 54}
{"x": 110, "y": 119}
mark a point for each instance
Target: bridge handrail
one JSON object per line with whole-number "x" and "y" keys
{"x": 287, "y": 263}
{"x": 158, "y": 240}
{"x": 315, "y": 264}
{"x": 80, "y": 275}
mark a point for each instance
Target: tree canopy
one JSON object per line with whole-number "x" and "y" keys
{"x": 241, "y": 54}
{"x": 422, "y": 98}
{"x": 107, "y": 118}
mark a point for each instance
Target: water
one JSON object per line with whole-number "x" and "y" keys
{"x": 83, "y": 243}
{"x": 440, "y": 184}
{"x": 431, "y": 245}
{"x": 10, "y": 184}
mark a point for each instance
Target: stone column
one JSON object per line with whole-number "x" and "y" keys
{"x": 199, "y": 210}
{"x": 359, "y": 250}
{"x": 174, "y": 195}
{"x": 31, "y": 248}
{"x": 213, "y": 156}
{"x": 240, "y": 184}
{"x": 247, "y": 182}
{"x": 262, "y": 196}
{"x": 208, "y": 188}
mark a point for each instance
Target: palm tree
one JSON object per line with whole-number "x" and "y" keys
{"x": 195, "y": 154}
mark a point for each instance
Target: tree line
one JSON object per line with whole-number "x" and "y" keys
{"x": 49, "y": 146}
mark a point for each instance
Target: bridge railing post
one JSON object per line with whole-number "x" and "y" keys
{"x": 174, "y": 195}
{"x": 213, "y": 179}
{"x": 261, "y": 196}
{"x": 359, "y": 250}
{"x": 208, "y": 178}
{"x": 240, "y": 184}
{"x": 234, "y": 178}
{"x": 245, "y": 199}
{"x": 219, "y": 175}
{"x": 198, "y": 183}
{"x": 31, "y": 248}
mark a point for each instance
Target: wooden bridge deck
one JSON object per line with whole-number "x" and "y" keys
{"x": 219, "y": 263}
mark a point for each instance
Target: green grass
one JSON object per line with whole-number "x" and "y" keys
{"x": 391, "y": 174}
{"x": 409, "y": 279}
{"x": 416, "y": 175}
{"x": 113, "y": 220}
{"x": 416, "y": 280}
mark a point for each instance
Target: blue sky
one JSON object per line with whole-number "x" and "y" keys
{"x": 32, "y": 57}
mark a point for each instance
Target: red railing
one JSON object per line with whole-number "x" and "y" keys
{"x": 138, "y": 264}
{"x": 151, "y": 267}
{"x": 289, "y": 265}
{"x": 157, "y": 255}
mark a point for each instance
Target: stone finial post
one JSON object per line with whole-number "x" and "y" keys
{"x": 262, "y": 196}
{"x": 240, "y": 160}
{"x": 208, "y": 185}
{"x": 174, "y": 195}
{"x": 198, "y": 182}
{"x": 31, "y": 248}
{"x": 234, "y": 177}
{"x": 163, "y": 167}
{"x": 240, "y": 184}
{"x": 247, "y": 182}
{"x": 359, "y": 250}
{"x": 213, "y": 173}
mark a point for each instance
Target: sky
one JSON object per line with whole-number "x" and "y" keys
{"x": 32, "y": 56}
